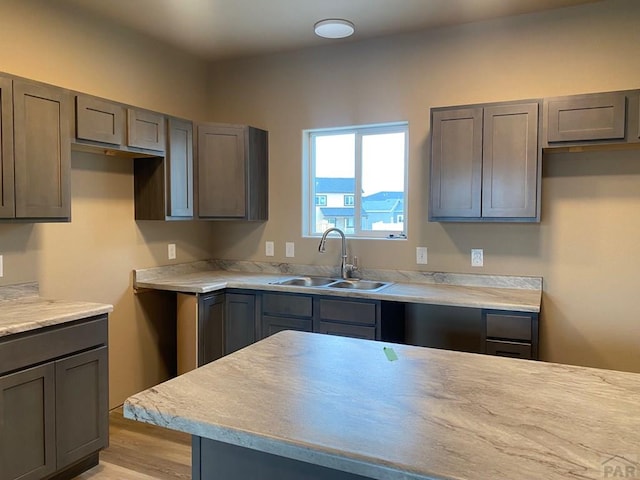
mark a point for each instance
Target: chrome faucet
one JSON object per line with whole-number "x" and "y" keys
{"x": 345, "y": 268}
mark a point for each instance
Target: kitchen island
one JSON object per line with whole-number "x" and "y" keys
{"x": 302, "y": 405}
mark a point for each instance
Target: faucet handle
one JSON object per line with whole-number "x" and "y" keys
{"x": 353, "y": 267}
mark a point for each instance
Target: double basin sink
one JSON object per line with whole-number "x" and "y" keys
{"x": 325, "y": 282}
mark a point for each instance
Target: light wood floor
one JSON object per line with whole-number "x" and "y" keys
{"x": 138, "y": 451}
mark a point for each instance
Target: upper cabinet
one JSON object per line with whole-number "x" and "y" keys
{"x": 36, "y": 153}
{"x": 163, "y": 186}
{"x": 145, "y": 130}
{"x": 103, "y": 124}
{"x": 485, "y": 163}
{"x": 232, "y": 172}
{"x": 99, "y": 120}
{"x": 593, "y": 119}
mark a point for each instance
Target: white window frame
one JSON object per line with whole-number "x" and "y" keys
{"x": 308, "y": 187}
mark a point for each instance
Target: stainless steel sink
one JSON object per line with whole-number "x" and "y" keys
{"x": 307, "y": 281}
{"x": 358, "y": 284}
{"x": 327, "y": 282}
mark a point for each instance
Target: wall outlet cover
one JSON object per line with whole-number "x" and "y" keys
{"x": 269, "y": 249}
{"x": 171, "y": 251}
{"x": 477, "y": 257}
{"x": 421, "y": 255}
{"x": 290, "y": 249}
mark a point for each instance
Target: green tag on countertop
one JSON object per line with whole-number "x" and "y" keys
{"x": 390, "y": 353}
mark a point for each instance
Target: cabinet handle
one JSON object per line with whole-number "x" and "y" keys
{"x": 507, "y": 353}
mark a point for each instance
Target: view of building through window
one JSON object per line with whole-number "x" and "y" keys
{"x": 358, "y": 180}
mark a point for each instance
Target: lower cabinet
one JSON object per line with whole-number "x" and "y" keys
{"x": 229, "y": 321}
{"x": 54, "y": 415}
{"x": 286, "y": 311}
{"x": 226, "y": 323}
{"x": 310, "y": 313}
{"x": 348, "y": 318}
{"x": 240, "y": 321}
{"x": 510, "y": 334}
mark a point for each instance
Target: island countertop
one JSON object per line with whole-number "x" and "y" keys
{"x": 476, "y": 291}
{"x": 431, "y": 414}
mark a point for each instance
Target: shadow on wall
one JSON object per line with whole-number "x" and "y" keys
{"x": 160, "y": 329}
{"x": 20, "y": 244}
{"x": 237, "y": 240}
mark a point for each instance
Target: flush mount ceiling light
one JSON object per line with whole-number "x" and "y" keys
{"x": 334, "y": 28}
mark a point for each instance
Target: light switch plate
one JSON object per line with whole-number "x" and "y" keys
{"x": 171, "y": 251}
{"x": 421, "y": 255}
{"x": 477, "y": 257}
{"x": 290, "y": 249}
{"x": 1, "y": 266}
{"x": 269, "y": 249}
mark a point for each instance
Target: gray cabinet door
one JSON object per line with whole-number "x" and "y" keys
{"x": 7, "y": 200}
{"x": 27, "y": 424}
{"x": 577, "y": 118}
{"x": 180, "y": 168}
{"x": 210, "y": 328}
{"x": 232, "y": 172}
{"x": 221, "y": 172}
{"x": 82, "y": 410}
{"x": 42, "y": 151}
{"x": 456, "y": 163}
{"x": 510, "y": 161}
{"x": 163, "y": 186}
{"x": 145, "y": 130}
{"x": 99, "y": 120}
{"x": 239, "y": 321}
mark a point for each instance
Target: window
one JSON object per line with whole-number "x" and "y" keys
{"x": 360, "y": 172}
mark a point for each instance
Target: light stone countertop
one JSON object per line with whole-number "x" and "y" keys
{"x": 476, "y": 291}
{"x": 22, "y": 309}
{"x": 432, "y": 414}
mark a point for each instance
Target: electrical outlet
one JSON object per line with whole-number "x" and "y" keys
{"x": 477, "y": 257}
{"x": 171, "y": 251}
{"x": 421, "y": 255}
{"x": 290, "y": 249}
{"x": 269, "y": 249}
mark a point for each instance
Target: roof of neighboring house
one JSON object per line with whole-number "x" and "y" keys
{"x": 389, "y": 205}
{"x": 335, "y": 185}
{"x": 337, "y": 211}
{"x": 384, "y": 196}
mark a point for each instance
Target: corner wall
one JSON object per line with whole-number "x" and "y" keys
{"x": 91, "y": 258}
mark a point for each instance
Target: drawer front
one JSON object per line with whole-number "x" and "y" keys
{"x": 347, "y": 311}
{"x": 297, "y": 305}
{"x": 346, "y": 330}
{"x": 512, "y": 327}
{"x": 586, "y": 117}
{"x": 508, "y": 349}
{"x": 272, "y": 325}
{"x": 50, "y": 343}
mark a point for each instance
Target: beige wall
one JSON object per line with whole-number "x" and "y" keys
{"x": 585, "y": 247}
{"x": 92, "y": 257}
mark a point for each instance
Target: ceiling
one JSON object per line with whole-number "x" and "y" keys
{"x": 216, "y": 29}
